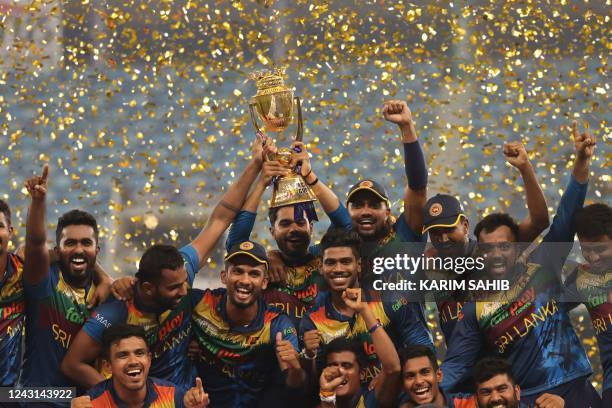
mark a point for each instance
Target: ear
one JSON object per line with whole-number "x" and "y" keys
{"x": 57, "y": 251}
{"x": 359, "y": 266}
{"x": 517, "y": 390}
{"x": 439, "y": 375}
{"x": 106, "y": 365}
{"x": 264, "y": 283}
{"x": 224, "y": 277}
{"x": 148, "y": 288}
{"x": 97, "y": 251}
{"x": 271, "y": 229}
{"x": 466, "y": 226}
{"x": 10, "y": 231}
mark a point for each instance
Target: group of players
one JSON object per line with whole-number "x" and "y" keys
{"x": 302, "y": 325}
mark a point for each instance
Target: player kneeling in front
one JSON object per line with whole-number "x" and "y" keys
{"x": 127, "y": 357}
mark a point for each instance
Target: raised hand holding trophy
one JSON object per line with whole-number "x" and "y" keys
{"x": 274, "y": 104}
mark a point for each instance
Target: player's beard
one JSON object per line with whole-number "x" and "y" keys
{"x": 294, "y": 245}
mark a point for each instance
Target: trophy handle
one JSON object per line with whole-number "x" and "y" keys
{"x": 254, "y": 117}
{"x": 300, "y": 128}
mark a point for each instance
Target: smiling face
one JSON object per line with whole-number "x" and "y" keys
{"x": 245, "y": 280}
{"x": 450, "y": 241}
{"x": 597, "y": 251}
{"x": 369, "y": 214}
{"x": 498, "y": 392}
{"x": 347, "y": 364}
{"x": 292, "y": 236}
{"x": 499, "y": 250}
{"x": 421, "y": 379}
{"x": 340, "y": 268}
{"x": 130, "y": 361}
{"x": 172, "y": 287}
{"x": 77, "y": 251}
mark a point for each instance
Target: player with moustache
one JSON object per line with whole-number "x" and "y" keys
{"x": 448, "y": 229}
{"x": 57, "y": 293}
{"x": 128, "y": 358}
{"x": 591, "y": 283}
{"x": 246, "y": 347}
{"x": 161, "y": 297}
{"x": 295, "y": 279}
{"x": 495, "y": 385}
{"x": 528, "y": 325}
{"x": 333, "y": 317}
{"x": 370, "y": 207}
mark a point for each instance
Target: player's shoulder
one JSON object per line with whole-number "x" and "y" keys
{"x": 158, "y": 382}
{"x": 99, "y": 389}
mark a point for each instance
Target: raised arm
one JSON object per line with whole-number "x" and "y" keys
{"x": 584, "y": 144}
{"x": 36, "y": 264}
{"x": 328, "y": 199}
{"x": 388, "y": 385}
{"x": 229, "y": 205}
{"x": 537, "y": 218}
{"x": 415, "y": 194}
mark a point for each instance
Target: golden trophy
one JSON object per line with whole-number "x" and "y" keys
{"x": 274, "y": 105}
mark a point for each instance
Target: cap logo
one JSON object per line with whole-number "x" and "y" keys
{"x": 245, "y": 246}
{"x": 366, "y": 184}
{"x": 435, "y": 209}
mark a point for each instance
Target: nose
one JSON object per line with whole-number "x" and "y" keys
{"x": 444, "y": 237}
{"x": 183, "y": 290}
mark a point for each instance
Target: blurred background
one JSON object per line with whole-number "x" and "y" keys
{"x": 141, "y": 107}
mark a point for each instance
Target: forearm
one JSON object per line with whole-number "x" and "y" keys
{"x": 100, "y": 276}
{"x": 296, "y": 378}
{"x": 36, "y": 226}
{"x": 581, "y": 170}
{"x": 252, "y": 202}
{"x": 233, "y": 199}
{"x": 328, "y": 199}
{"x": 536, "y": 204}
{"x": 82, "y": 374}
{"x": 385, "y": 349}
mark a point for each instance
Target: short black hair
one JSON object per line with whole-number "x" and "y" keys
{"x": 489, "y": 367}
{"x": 6, "y": 210}
{"x": 273, "y": 214}
{"x": 119, "y": 332}
{"x": 341, "y": 237}
{"x": 594, "y": 221}
{"x": 493, "y": 221}
{"x": 157, "y": 258}
{"x": 417, "y": 350}
{"x": 75, "y": 217}
{"x": 341, "y": 344}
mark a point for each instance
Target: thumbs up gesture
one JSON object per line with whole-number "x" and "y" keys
{"x": 286, "y": 354}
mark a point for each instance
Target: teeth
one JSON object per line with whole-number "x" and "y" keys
{"x": 241, "y": 290}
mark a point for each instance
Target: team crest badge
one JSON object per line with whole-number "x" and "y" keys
{"x": 366, "y": 184}
{"x": 245, "y": 246}
{"x": 435, "y": 210}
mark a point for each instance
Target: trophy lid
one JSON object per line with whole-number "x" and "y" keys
{"x": 270, "y": 81}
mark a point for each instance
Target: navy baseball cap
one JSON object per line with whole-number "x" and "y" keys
{"x": 369, "y": 185}
{"x": 442, "y": 210}
{"x": 248, "y": 248}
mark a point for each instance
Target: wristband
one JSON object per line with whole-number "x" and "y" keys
{"x": 306, "y": 356}
{"x": 313, "y": 183}
{"x": 375, "y": 327}
{"x": 307, "y": 174}
{"x": 329, "y": 399}
{"x": 414, "y": 164}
